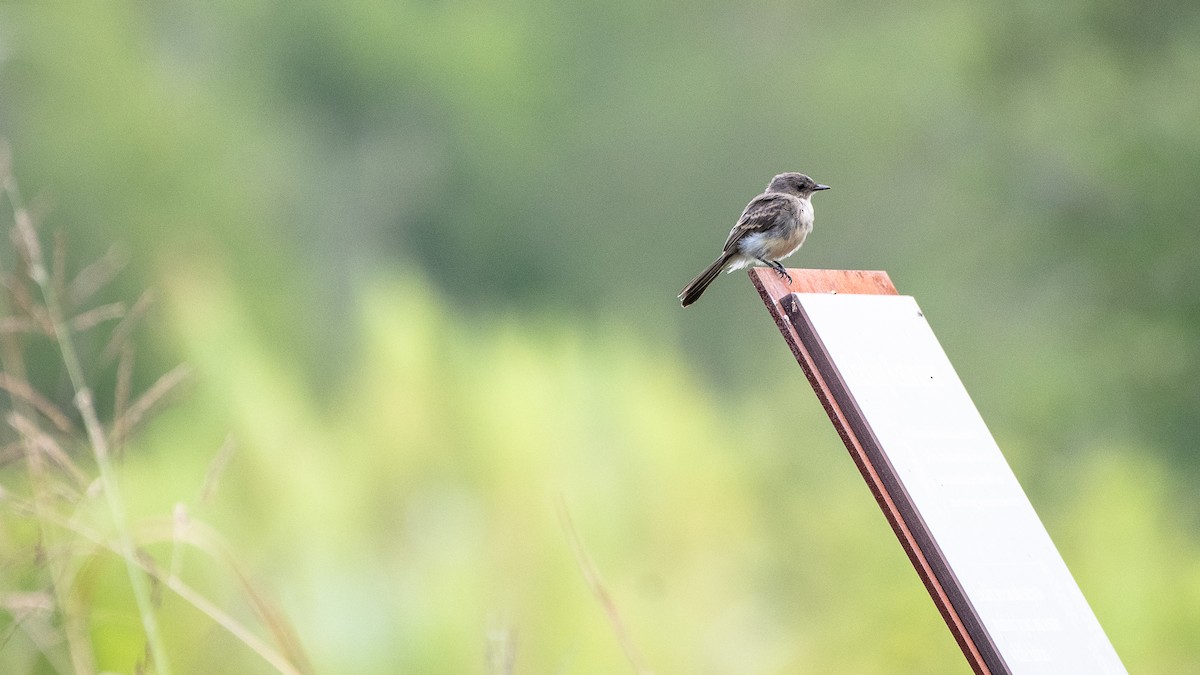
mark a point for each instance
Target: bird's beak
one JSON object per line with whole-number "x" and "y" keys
{"x": 821, "y": 187}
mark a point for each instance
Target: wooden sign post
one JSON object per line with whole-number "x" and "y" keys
{"x": 937, "y": 473}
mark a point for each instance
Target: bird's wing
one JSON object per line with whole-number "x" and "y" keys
{"x": 762, "y": 213}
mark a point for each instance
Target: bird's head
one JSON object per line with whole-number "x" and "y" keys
{"x": 795, "y": 184}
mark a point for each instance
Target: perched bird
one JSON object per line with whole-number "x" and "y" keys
{"x": 771, "y": 228}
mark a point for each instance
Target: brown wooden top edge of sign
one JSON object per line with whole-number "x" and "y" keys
{"x": 769, "y": 283}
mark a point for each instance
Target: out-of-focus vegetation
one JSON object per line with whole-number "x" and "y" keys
{"x": 422, "y": 257}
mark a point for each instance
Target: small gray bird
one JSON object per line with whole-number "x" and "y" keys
{"x": 771, "y": 228}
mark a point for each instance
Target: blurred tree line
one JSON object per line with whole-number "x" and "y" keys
{"x": 1024, "y": 169}
{"x": 1022, "y": 165}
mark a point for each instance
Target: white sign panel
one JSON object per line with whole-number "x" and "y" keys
{"x": 957, "y": 483}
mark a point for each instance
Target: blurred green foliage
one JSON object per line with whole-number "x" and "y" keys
{"x": 423, "y": 255}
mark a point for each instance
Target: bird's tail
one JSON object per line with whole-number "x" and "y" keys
{"x": 692, "y": 291}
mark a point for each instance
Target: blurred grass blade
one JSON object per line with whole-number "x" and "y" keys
{"x": 121, "y": 334}
{"x": 216, "y": 469}
{"x": 22, "y": 389}
{"x": 49, "y": 447}
{"x": 592, "y": 577}
{"x": 96, "y": 276}
{"x": 206, "y": 539}
{"x": 155, "y": 395}
{"x": 94, "y": 317}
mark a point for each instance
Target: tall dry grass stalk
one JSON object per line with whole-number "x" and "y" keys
{"x": 41, "y": 303}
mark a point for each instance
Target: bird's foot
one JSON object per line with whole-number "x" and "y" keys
{"x": 779, "y": 269}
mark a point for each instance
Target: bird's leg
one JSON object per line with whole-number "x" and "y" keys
{"x": 778, "y": 267}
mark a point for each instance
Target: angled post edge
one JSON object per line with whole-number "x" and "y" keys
{"x": 776, "y": 292}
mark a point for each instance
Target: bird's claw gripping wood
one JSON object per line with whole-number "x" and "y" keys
{"x": 779, "y": 269}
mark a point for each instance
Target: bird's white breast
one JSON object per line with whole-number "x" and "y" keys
{"x": 788, "y": 245}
